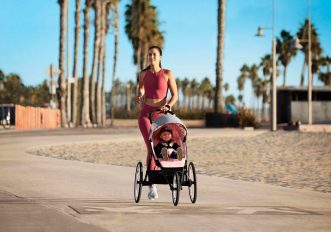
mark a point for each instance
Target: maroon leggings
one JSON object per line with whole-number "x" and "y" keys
{"x": 145, "y": 126}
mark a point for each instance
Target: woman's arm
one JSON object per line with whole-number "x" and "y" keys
{"x": 173, "y": 89}
{"x": 141, "y": 90}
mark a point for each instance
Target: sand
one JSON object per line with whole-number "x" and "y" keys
{"x": 288, "y": 159}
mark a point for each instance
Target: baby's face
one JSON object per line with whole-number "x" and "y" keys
{"x": 165, "y": 136}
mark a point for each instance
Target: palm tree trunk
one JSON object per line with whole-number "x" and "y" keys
{"x": 114, "y": 65}
{"x": 218, "y": 103}
{"x": 86, "y": 122}
{"x": 63, "y": 88}
{"x": 144, "y": 56}
{"x": 95, "y": 59}
{"x": 74, "y": 72}
{"x": 284, "y": 73}
{"x": 103, "y": 98}
{"x": 100, "y": 63}
{"x": 203, "y": 102}
{"x": 104, "y": 35}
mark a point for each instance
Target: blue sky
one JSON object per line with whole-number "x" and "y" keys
{"x": 29, "y": 32}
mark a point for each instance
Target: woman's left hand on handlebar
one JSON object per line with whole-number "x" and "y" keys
{"x": 165, "y": 109}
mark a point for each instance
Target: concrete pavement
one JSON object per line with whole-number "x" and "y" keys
{"x": 45, "y": 194}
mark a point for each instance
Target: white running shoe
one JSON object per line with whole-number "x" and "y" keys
{"x": 152, "y": 193}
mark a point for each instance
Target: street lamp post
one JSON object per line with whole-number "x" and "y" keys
{"x": 310, "y": 108}
{"x": 273, "y": 91}
{"x": 1, "y": 94}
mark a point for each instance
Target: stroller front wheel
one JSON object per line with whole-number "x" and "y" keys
{"x": 138, "y": 181}
{"x": 192, "y": 178}
{"x": 175, "y": 189}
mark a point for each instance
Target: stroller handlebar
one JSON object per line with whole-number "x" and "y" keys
{"x": 158, "y": 110}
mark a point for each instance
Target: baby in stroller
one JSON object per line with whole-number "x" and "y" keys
{"x": 167, "y": 148}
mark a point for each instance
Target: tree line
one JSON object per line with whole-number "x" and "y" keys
{"x": 194, "y": 95}
{"x": 82, "y": 101}
{"x": 285, "y": 51}
{"x": 142, "y": 29}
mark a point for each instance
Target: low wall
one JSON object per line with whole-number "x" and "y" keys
{"x": 27, "y": 117}
{"x": 134, "y": 123}
{"x": 321, "y": 111}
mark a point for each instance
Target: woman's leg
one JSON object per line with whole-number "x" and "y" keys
{"x": 145, "y": 126}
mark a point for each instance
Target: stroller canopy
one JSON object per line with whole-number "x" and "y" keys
{"x": 171, "y": 121}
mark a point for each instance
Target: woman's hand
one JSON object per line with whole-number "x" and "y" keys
{"x": 164, "y": 109}
{"x": 139, "y": 99}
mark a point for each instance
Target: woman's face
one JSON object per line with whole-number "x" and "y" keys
{"x": 154, "y": 56}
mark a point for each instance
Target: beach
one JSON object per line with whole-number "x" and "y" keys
{"x": 289, "y": 159}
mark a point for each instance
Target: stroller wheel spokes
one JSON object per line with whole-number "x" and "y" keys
{"x": 175, "y": 188}
{"x": 192, "y": 179}
{"x": 138, "y": 181}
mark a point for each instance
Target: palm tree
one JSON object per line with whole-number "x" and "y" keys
{"x": 211, "y": 97}
{"x": 285, "y": 50}
{"x": 129, "y": 92}
{"x": 316, "y": 49}
{"x": 325, "y": 77}
{"x": 205, "y": 88}
{"x": 142, "y": 29}
{"x": 105, "y": 6}
{"x": 266, "y": 64}
{"x": 62, "y": 81}
{"x": 86, "y": 122}
{"x": 179, "y": 86}
{"x": 265, "y": 96}
{"x": 101, "y": 67}
{"x": 115, "y": 25}
{"x": 256, "y": 82}
{"x": 118, "y": 85}
{"x": 218, "y": 103}
{"x": 244, "y": 74}
{"x": 74, "y": 70}
{"x": 97, "y": 37}
{"x": 185, "y": 90}
{"x": 193, "y": 93}
{"x": 226, "y": 87}
{"x": 258, "y": 91}
{"x": 241, "y": 85}
{"x": 154, "y": 35}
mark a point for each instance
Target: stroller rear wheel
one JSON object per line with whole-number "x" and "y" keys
{"x": 192, "y": 178}
{"x": 175, "y": 189}
{"x": 138, "y": 181}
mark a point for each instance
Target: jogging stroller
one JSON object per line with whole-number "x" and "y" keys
{"x": 176, "y": 173}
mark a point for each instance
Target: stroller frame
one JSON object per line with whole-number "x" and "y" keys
{"x": 175, "y": 177}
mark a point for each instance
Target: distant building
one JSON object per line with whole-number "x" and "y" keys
{"x": 292, "y": 104}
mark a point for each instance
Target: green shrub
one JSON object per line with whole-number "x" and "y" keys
{"x": 246, "y": 118}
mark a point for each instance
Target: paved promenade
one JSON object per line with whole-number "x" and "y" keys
{"x": 45, "y": 194}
